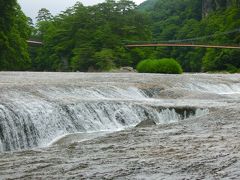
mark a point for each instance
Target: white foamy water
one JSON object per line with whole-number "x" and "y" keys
{"x": 37, "y": 108}
{"x": 61, "y": 110}
{"x": 34, "y": 118}
{"x": 218, "y": 88}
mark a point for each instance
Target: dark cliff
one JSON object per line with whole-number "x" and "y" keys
{"x": 212, "y": 5}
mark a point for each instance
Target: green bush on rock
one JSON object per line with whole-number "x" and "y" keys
{"x": 166, "y": 66}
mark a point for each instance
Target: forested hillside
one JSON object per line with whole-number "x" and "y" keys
{"x": 209, "y": 6}
{"x": 188, "y": 20}
{"x": 14, "y": 30}
{"x": 92, "y": 38}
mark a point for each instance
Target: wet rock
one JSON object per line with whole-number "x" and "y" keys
{"x": 146, "y": 123}
{"x": 124, "y": 70}
{"x": 127, "y": 69}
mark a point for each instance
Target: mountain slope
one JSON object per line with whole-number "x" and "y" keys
{"x": 212, "y": 5}
{"x": 147, "y": 5}
{"x": 206, "y": 22}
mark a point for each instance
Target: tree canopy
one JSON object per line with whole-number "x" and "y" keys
{"x": 182, "y": 21}
{"x": 89, "y": 38}
{"x": 14, "y": 30}
{"x": 92, "y": 38}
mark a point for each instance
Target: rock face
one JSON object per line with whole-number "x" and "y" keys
{"x": 212, "y": 5}
{"x": 146, "y": 123}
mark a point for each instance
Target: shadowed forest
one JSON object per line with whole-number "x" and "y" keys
{"x": 92, "y": 38}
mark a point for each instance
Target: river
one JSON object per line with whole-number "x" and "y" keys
{"x": 82, "y": 125}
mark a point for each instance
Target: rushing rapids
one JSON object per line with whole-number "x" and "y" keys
{"x": 31, "y": 117}
{"x": 56, "y": 111}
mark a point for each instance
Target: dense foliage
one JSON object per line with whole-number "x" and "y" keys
{"x": 92, "y": 38}
{"x": 14, "y": 31}
{"x": 166, "y": 66}
{"x": 182, "y": 22}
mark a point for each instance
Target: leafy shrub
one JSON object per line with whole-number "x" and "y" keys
{"x": 166, "y": 66}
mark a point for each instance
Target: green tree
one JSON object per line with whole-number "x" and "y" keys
{"x": 105, "y": 59}
{"x": 14, "y": 31}
{"x": 182, "y": 22}
{"x": 44, "y": 15}
{"x": 74, "y": 42}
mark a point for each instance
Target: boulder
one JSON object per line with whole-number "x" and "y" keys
{"x": 146, "y": 123}
{"x": 127, "y": 69}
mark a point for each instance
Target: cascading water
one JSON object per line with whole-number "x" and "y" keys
{"x": 58, "y": 111}
{"x": 220, "y": 88}
{"x": 35, "y": 117}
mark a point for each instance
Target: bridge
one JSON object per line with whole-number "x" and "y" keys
{"x": 197, "y": 42}
{"x": 181, "y": 45}
{"x": 175, "y": 43}
{"x": 32, "y": 42}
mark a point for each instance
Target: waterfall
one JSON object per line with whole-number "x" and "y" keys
{"x": 34, "y": 117}
{"x": 220, "y": 88}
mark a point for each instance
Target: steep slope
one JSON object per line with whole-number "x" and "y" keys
{"x": 147, "y": 5}
{"x": 212, "y": 5}
{"x": 201, "y": 22}
{"x": 207, "y": 5}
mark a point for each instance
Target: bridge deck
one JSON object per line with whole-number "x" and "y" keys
{"x": 34, "y": 42}
{"x": 183, "y": 45}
